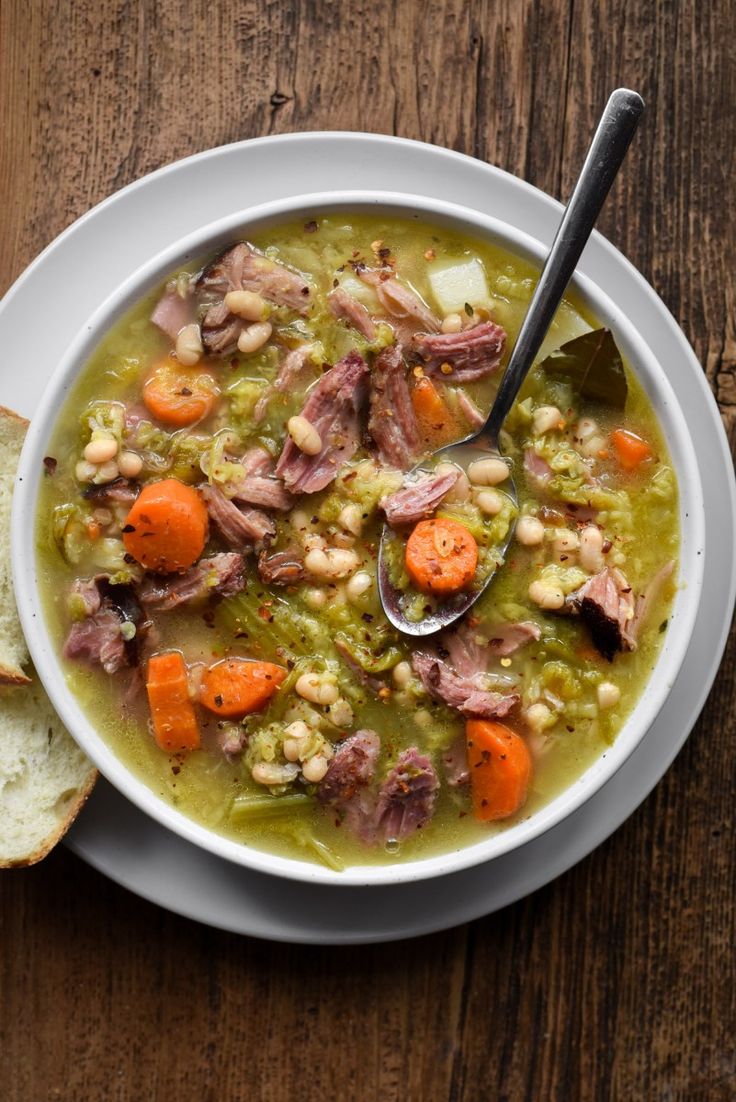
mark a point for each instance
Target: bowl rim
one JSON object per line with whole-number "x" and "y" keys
{"x": 672, "y": 423}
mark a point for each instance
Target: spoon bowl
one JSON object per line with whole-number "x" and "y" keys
{"x": 611, "y": 140}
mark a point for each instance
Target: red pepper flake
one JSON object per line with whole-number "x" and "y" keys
{"x": 50, "y": 464}
{"x": 310, "y": 227}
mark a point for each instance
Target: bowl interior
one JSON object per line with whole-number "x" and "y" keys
{"x": 208, "y": 239}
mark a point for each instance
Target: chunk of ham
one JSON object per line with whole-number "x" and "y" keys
{"x": 97, "y": 639}
{"x": 244, "y": 268}
{"x": 399, "y": 302}
{"x": 506, "y": 639}
{"x": 266, "y": 493}
{"x": 346, "y": 308}
{"x": 256, "y": 462}
{"x": 281, "y": 568}
{"x": 472, "y": 353}
{"x": 464, "y": 693}
{"x": 606, "y": 605}
{"x": 538, "y": 470}
{"x": 333, "y": 408}
{"x": 239, "y": 528}
{"x": 351, "y": 769}
{"x": 119, "y": 491}
{"x": 392, "y": 422}
{"x": 407, "y": 797}
{"x": 221, "y": 575}
{"x": 173, "y": 311}
{"x": 470, "y": 653}
{"x": 474, "y": 416}
{"x": 417, "y": 499}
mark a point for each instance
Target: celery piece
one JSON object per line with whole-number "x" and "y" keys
{"x": 248, "y": 808}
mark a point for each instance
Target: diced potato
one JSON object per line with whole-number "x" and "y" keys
{"x": 454, "y": 285}
{"x": 566, "y": 325}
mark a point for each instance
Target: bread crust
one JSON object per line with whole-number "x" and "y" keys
{"x": 51, "y": 840}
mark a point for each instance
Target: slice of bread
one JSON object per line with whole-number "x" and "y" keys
{"x": 13, "y": 649}
{"x": 44, "y": 776}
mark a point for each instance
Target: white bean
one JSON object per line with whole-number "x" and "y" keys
{"x": 608, "y": 694}
{"x": 304, "y": 435}
{"x": 107, "y": 472}
{"x": 297, "y": 729}
{"x": 271, "y": 772}
{"x": 358, "y": 585}
{"x": 539, "y": 716}
{"x": 451, "y": 323}
{"x": 315, "y": 768}
{"x": 291, "y": 749}
{"x": 84, "y": 471}
{"x": 101, "y": 450}
{"x": 336, "y": 562}
{"x": 130, "y": 464}
{"x": 254, "y": 337}
{"x": 489, "y": 502}
{"x": 585, "y": 428}
{"x": 315, "y": 597}
{"x": 565, "y": 542}
{"x": 351, "y": 519}
{"x": 546, "y": 594}
{"x": 246, "y": 304}
{"x": 401, "y": 674}
{"x": 488, "y": 472}
{"x": 545, "y": 418}
{"x": 189, "y": 345}
{"x": 314, "y": 688}
{"x": 461, "y": 490}
{"x": 591, "y": 549}
{"x": 340, "y": 713}
{"x": 529, "y": 531}
{"x": 594, "y": 444}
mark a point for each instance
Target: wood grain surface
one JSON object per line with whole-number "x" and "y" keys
{"x": 614, "y": 982}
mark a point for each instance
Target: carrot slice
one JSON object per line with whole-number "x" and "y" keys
{"x": 441, "y": 556}
{"x": 630, "y": 449}
{"x": 237, "y": 686}
{"x": 436, "y": 421}
{"x": 500, "y": 768}
{"x": 178, "y": 395}
{"x": 173, "y": 717}
{"x": 166, "y": 528}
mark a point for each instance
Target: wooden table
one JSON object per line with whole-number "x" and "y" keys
{"x": 615, "y": 982}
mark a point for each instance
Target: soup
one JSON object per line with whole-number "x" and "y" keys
{"x": 214, "y": 496}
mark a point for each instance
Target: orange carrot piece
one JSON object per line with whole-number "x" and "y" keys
{"x": 500, "y": 768}
{"x": 173, "y": 717}
{"x": 179, "y": 396}
{"x": 237, "y": 686}
{"x": 630, "y": 449}
{"x": 441, "y": 556}
{"x": 166, "y": 528}
{"x": 436, "y": 421}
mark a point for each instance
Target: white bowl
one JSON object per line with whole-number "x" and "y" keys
{"x": 207, "y": 240}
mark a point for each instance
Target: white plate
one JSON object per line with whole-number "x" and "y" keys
{"x": 87, "y": 261}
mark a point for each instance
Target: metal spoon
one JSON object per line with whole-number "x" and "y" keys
{"x": 607, "y": 151}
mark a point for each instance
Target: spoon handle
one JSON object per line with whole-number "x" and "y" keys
{"x": 607, "y": 150}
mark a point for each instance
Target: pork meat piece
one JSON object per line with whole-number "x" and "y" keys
{"x": 465, "y": 694}
{"x": 346, "y": 308}
{"x": 97, "y": 639}
{"x": 173, "y": 311}
{"x": 290, "y": 373}
{"x": 417, "y": 499}
{"x": 399, "y": 302}
{"x": 407, "y": 797}
{"x": 472, "y": 353}
{"x": 266, "y": 493}
{"x": 455, "y": 763}
{"x": 281, "y": 568}
{"x": 606, "y": 605}
{"x": 243, "y": 268}
{"x": 221, "y": 575}
{"x": 392, "y": 422}
{"x": 239, "y": 528}
{"x": 333, "y": 408}
{"x": 350, "y": 770}
{"x": 119, "y": 491}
